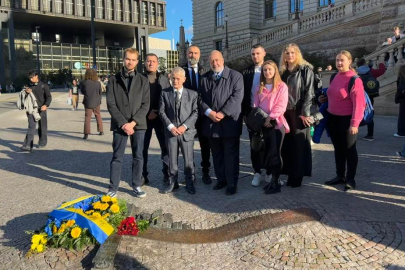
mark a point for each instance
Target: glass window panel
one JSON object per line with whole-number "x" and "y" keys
{"x": 57, "y": 64}
{"x": 153, "y": 14}
{"x": 219, "y": 15}
{"x": 56, "y": 51}
{"x": 136, "y": 11}
{"x": 100, "y": 9}
{"x": 35, "y": 4}
{"x": 110, "y": 10}
{"x": 85, "y": 51}
{"x": 69, "y": 7}
{"x": 80, "y": 8}
{"x": 119, "y": 10}
{"x": 127, "y": 11}
{"x": 145, "y": 12}
{"x": 160, "y": 15}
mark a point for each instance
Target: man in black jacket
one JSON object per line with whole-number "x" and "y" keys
{"x": 251, "y": 80}
{"x": 44, "y": 98}
{"x": 194, "y": 72}
{"x": 128, "y": 103}
{"x": 157, "y": 82}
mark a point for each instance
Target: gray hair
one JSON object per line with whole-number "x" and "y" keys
{"x": 178, "y": 70}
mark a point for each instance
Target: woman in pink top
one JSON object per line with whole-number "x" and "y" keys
{"x": 346, "y": 110}
{"x": 272, "y": 98}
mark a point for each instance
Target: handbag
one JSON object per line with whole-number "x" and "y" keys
{"x": 257, "y": 142}
{"x": 69, "y": 101}
{"x": 316, "y": 118}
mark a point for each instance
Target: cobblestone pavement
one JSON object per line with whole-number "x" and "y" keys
{"x": 361, "y": 229}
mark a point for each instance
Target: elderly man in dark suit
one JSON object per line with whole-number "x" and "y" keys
{"x": 194, "y": 72}
{"x": 221, "y": 98}
{"x": 178, "y": 110}
{"x": 128, "y": 103}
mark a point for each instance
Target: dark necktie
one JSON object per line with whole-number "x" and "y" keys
{"x": 193, "y": 79}
{"x": 177, "y": 105}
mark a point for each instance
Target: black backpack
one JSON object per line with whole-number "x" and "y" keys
{"x": 371, "y": 85}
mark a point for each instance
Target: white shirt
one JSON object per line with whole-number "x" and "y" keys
{"x": 190, "y": 72}
{"x": 180, "y": 91}
{"x": 256, "y": 79}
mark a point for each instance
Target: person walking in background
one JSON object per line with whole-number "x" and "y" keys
{"x": 221, "y": 94}
{"x": 157, "y": 82}
{"x": 400, "y": 99}
{"x": 44, "y": 99}
{"x": 296, "y": 150}
{"x": 346, "y": 109}
{"x": 74, "y": 94}
{"x": 178, "y": 111}
{"x": 128, "y": 103}
{"x": 194, "y": 71}
{"x": 91, "y": 90}
{"x": 251, "y": 81}
{"x": 272, "y": 97}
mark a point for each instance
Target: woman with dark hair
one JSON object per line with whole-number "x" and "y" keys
{"x": 91, "y": 90}
{"x": 400, "y": 99}
{"x": 346, "y": 110}
{"x": 296, "y": 150}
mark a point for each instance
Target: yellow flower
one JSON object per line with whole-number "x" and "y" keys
{"x": 36, "y": 238}
{"x": 96, "y": 215}
{"x": 114, "y": 200}
{"x": 106, "y": 199}
{"x": 40, "y": 248}
{"x": 89, "y": 212}
{"x": 106, "y": 216}
{"x": 54, "y": 229}
{"x": 44, "y": 240}
{"x": 62, "y": 228}
{"x": 115, "y": 208}
{"x": 34, "y": 246}
{"x": 75, "y": 233}
{"x": 97, "y": 205}
{"x": 104, "y": 206}
{"x": 70, "y": 223}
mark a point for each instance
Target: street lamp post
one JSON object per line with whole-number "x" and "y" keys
{"x": 93, "y": 33}
{"x": 37, "y": 40}
{"x": 226, "y": 32}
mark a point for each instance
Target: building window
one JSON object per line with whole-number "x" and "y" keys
{"x": 153, "y": 14}
{"x": 293, "y": 3}
{"x": 218, "y": 45}
{"x": 58, "y": 6}
{"x": 270, "y": 8}
{"x": 325, "y": 3}
{"x": 80, "y": 8}
{"x": 100, "y": 9}
{"x": 136, "y": 12}
{"x": 219, "y": 15}
{"x": 145, "y": 12}
{"x": 35, "y": 4}
{"x": 119, "y": 10}
{"x": 160, "y": 15}
{"x": 69, "y": 7}
{"x": 47, "y": 5}
{"x": 110, "y": 10}
{"x": 88, "y": 4}
{"x": 127, "y": 11}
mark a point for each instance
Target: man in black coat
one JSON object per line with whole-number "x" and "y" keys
{"x": 128, "y": 103}
{"x": 157, "y": 82}
{"x": 194, "y": 72}
{"x": 221, "y": 98}
{"x": 44, "y": 99}
{"x": 251, "y": 80}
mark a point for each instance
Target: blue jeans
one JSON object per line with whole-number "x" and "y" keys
{"x": 120, "y": 139}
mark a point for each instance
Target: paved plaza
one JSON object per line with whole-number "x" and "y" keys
{"x": 361, "y": 229}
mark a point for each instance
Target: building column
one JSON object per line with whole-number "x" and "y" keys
{"x": 164, "y": 16}
{"x": 140, "y": 12}
{"x": 11, "y": 36}
{"x": 2, "y": 63}
{"x": 141, "y": 44}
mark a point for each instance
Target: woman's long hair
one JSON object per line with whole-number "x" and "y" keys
{"x": 91, "y": 75}
{"x": 349, "y": 56}
{"x": 276, "y": 78}
{"x": 299, "y": 59}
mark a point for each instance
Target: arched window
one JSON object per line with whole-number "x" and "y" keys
{"x": 219, "y": 15}
{"x": 294, "y": 2}
{"x": 270, "y": 8}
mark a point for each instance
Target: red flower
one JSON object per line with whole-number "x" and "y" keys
{"x": 128, "y": 227}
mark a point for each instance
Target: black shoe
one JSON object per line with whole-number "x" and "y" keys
{"x": 145, "y": 180}
{"x": 368, "y": 138}
{"x": 336, "y": 181}
{"x": 350, "y": 185}
{"x": 230, "y": 190}
{"x": 166, "y": 180}
{"x": 274, "y": 186}
{"x": 26, "y": 148}
{"x": 219, "y": 186}
{"x": 172, "y": 187}
{"x": 85, "y": 136}
{"x": 190, "y": 186}
{"x": 206, "y": 178}
{"x": 41, "y": 146}
{"x": 266, "y": 186}
{"x": 101, "y": 133}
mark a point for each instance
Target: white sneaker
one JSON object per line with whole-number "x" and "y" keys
{"x": 398, "y": 136}
{"x": 256, "y": 180}
{"x": 282, "y": 183}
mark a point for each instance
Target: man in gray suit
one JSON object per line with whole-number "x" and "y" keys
{"x": 178, "y": 111}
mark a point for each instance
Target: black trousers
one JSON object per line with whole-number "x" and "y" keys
{"x": 156, "y": 125}
{"x": 255, "y": 157}
{"x": 370, "y": 127}
{"x": 273, "y": 140}
{"x": 42, "y": 130}
{"x": 225, "y": 154}
{"x": 205, "y": 149}
{"x": 119, "y": 144}
{"x": 344, "y": 144}
{"x": 401, "y": 119}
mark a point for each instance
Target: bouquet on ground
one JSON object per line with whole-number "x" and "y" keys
{"x": 80, "y": 223}
{"x": 130, "y": 226}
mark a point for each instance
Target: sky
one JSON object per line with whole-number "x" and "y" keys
{"x": 175, "y": 11}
